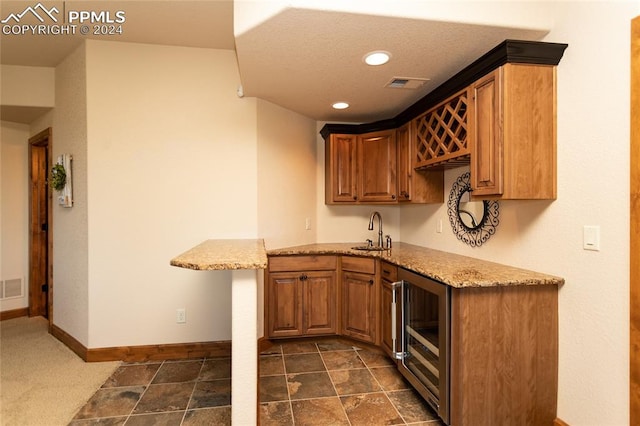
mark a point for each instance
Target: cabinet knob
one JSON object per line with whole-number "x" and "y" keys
{"x": 303, "y": 277}
{"x": 393, "y": 197}
{"x": 355, "y": 197}
{"x": 371, "y": 282}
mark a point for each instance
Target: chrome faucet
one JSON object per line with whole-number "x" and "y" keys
{"x": 380, "y": 239}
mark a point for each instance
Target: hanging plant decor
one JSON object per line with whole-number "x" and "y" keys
{"x": 58, "y": 177}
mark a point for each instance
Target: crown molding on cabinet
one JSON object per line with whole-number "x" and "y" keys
{"x": 509, "y": 51}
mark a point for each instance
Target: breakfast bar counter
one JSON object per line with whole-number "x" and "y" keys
{"x": 224, "y": 255}
{"x": 245, "y": 259}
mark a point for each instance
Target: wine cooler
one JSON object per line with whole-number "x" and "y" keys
{"x": 423, "y": 339}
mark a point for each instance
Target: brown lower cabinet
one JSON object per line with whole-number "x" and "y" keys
{"x": 504, "y": 356}
{"x": 504, "y": 339}
{"x": 301, "y": 296}
{"x": 359, "y": 285}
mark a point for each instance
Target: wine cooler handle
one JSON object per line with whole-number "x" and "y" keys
{"x": 394, "y": 323}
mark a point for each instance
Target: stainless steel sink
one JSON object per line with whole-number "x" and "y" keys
{"x": 368, "y": 248}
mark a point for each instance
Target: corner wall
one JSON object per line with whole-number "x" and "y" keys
{"x": 172, "y": 161}
{"x": 286, "y": 176}
{"x": 70, "y": 236}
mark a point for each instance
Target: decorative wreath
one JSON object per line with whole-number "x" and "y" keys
{"x": 58, "y": 177}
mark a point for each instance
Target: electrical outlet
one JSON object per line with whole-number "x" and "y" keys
{"x": 181, "y": 316}
{"x": 439, "y": 226}
{"x": 307, "y": 223}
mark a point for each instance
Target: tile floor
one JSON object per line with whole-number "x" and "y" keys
{"x": 319, "y": 382}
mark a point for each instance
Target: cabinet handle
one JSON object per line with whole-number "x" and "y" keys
{"x": 393, "y": 197}
{"x": 371, "y": 282}
{"x": 355, "y": 197}
{"x": 303, "y": 277}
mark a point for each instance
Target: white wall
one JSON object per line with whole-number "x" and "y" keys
{"x": 14, "y": 208}
{"x": 286, "y": 176}
{"x": 593, "y": 188}
{"x": 70, "y": 237}
{"x": 172, "y": 158}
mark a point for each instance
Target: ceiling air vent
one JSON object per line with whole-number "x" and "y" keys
{"x": 406, "y": 82}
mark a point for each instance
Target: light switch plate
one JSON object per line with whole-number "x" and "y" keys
{"x": 591, "y": 237}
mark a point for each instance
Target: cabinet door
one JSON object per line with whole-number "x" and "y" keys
{"x": 414, "y": 186}
{"x": 340, "y": 169}
{"x": 284, "y": 304}
{"x": 319, "y": 303}
{"x": 405, "y": 163}
{"x": 377, "y": 167}
{"x": 486, "y": 135}
{"x": 358, "y": 306}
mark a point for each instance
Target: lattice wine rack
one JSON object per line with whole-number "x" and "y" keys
{"x": 441, "y": 134}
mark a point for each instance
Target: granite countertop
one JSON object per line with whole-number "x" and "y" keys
{"x": 224, "y": 254}
{"x": 452, "y": 269}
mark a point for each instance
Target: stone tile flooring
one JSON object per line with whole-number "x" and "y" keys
{"x": 319, "y": 382}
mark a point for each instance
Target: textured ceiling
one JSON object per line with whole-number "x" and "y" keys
{"x": 300, "y": 59}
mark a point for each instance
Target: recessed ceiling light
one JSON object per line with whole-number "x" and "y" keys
{"x": 378, "y": 57}
{"x": 340, "y": 105}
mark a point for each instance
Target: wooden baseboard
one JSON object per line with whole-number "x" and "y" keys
{"x": 146, "y": 352}
{"x": 558, "y": 422}
{"x": 69, "y": 341}
{"x": 14, "y": 313}
{"x": 264, "y": 344}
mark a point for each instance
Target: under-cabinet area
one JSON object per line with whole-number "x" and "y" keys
{"x": 485, "y": 354}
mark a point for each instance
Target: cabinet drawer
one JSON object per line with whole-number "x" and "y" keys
{"x": 389, "y": 271}
{"x": 366, "y": 265}
{"x": 302, "y": 263}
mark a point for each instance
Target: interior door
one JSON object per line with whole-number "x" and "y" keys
{"x": 39, "y": 226}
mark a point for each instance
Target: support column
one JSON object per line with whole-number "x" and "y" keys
{"x": 244, "y": 347}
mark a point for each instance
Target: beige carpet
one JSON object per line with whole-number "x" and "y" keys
{"x": 42, "y": 382}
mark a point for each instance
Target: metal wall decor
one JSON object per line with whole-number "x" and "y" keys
{"x": 472, "y": 222}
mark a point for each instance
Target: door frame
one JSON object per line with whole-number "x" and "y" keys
{"x": 634, "y": 227}
{"x": 42, "y": 139}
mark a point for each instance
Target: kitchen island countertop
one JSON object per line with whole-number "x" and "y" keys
{"x": 452, "y": 269}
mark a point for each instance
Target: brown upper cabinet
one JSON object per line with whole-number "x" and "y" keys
{"x": 341, "y": 169}
{"x": 376, "y": 170}
{"x": 513, "y": 133}
{"x": 414, "y": 186}
{"x": 498, "y": 115}
{"x": 376, "y": 167}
